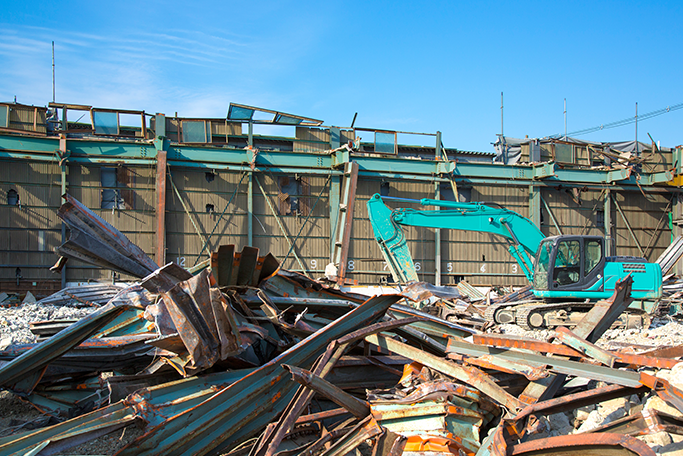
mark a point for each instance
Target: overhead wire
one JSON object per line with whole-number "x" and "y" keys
{"x": 622, "y": 122}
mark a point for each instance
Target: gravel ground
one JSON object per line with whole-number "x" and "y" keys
{"x": 14, "y": 321}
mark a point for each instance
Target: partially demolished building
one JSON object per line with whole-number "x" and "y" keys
{"x": 214, "y": 347}
{"x": 180, "y": 187}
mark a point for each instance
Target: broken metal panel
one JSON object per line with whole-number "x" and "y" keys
{"x": 202, "y": 320}
{"x": 366, "y": 429}
{"x": 270, "y": 440}
{"x": 421, "y": 421}
{"x": 581, "y": 445}
{"x": 668, "y": 259}
{"x": 505, "y": 341}
{"x": 88, "y": 295}
{"x": 245, "y": 407}
{"x": 468, "y": 375}
{"x": 95, "y": 241}
{"x": 605, "y": 312}
{"x": 358, "y": 408}
{"x": 569, "y": 338}
{"x": 555, "y": 364}
{"x": 59, "y": 344}
{"x": 648, "y": 421}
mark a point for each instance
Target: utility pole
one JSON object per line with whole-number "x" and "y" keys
{"x": 636, "y": 128}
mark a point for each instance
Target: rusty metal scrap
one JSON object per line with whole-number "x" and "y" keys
{"x": 94, "y": 241}
{"x": 201, "y": 366}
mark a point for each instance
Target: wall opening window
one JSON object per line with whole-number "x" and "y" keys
{"x": 105, "y": 122}
{"x": 600, "y": 219}
{"x": 196, "y": 131}
{"x": 293, "y": 195}
{"x": 4, "y": 116}
{"x": 384, "y": 188}
{"x": 13, "y": 197}
{"x": 447, "y": 194}
{"x": 210, "y": 208}
{"x": 116, "y": 193}
{"x": 564, "y": 153}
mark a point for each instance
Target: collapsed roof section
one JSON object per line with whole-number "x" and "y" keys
{"x": 573, "y": 151}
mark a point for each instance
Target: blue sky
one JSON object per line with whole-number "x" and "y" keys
{"x": 401, "y": 65}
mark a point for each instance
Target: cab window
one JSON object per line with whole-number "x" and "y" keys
{"x": 567, "y": 268}
{"x": 593, "y": 250}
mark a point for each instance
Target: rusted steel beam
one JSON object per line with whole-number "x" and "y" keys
{"x": 270, "y": 440}
{"x": 648, "y": 421}
{"x": 160, "y": 188}
{"x": 242, "y": 409}
{"x": 591, "y": 327}
{"x": 351, "y": 174}
{"x": 470, "y": 375}
{"x": 569, "y": 338}
{"x": 605, "y": 312}
{"x": 366, "y": 429}
{"x": 518, "y": 425}
{"x": 303, "y": 419}
{"x": 389, "y": 444}
{"x": 40, "y": 356}
{"x": 360, "y": 409}
{"x": 580, "y": 445}
{"x": 669, "y": 393}
{"x": 511, "y": 367}
{"x": 503, "y": 341}
{"x": 97, "y": 242}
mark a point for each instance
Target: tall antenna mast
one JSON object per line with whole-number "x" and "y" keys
{"x": 53, "y": 72}
{"x": 501, "y": 114}
{"x": 565, "y": 119}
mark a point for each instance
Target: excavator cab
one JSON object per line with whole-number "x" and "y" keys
{"x": 569, "y": 263}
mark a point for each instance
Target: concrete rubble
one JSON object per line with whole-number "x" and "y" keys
{"x": 242, "y": 357}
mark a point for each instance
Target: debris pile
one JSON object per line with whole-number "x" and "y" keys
{"x": 247, "y": 358}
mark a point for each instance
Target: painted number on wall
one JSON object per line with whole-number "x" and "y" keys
{"x": 180, "y": 261}
{"x": 351, "y": 265}
{"x": 314, "y": 264}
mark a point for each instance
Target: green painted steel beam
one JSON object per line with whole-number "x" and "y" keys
{"x": 124, "y": 151}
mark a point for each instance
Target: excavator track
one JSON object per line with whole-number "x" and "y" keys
{"x": 494, "y": 312}
{"x": 548, "y": 315}
{"x": 534, "y": 316}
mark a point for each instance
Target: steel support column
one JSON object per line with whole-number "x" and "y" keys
{"x": 535, "y": 205}
{"x": 250, "y": 210}
{"x": 160, "y": 255}
{"x": 63, "y": 162}
{"x": 608, "y": 223}
{"x": 437, "y": 239}
{"x": 334, "y": 200}
{"x": 677, "y": 213}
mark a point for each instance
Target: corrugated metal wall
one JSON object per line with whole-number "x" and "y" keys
{"x": 29, "y": 231}
{"x": 28, "y": 235}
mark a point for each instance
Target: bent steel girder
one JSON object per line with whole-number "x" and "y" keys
{"x": 245, "y": 407}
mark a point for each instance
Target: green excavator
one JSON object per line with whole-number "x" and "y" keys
{"x": 566, "y": 272}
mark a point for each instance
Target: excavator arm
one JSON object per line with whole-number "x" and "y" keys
{"x": 523, "y": 235}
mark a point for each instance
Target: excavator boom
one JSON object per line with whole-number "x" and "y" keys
{"x": 386, "y": 223}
